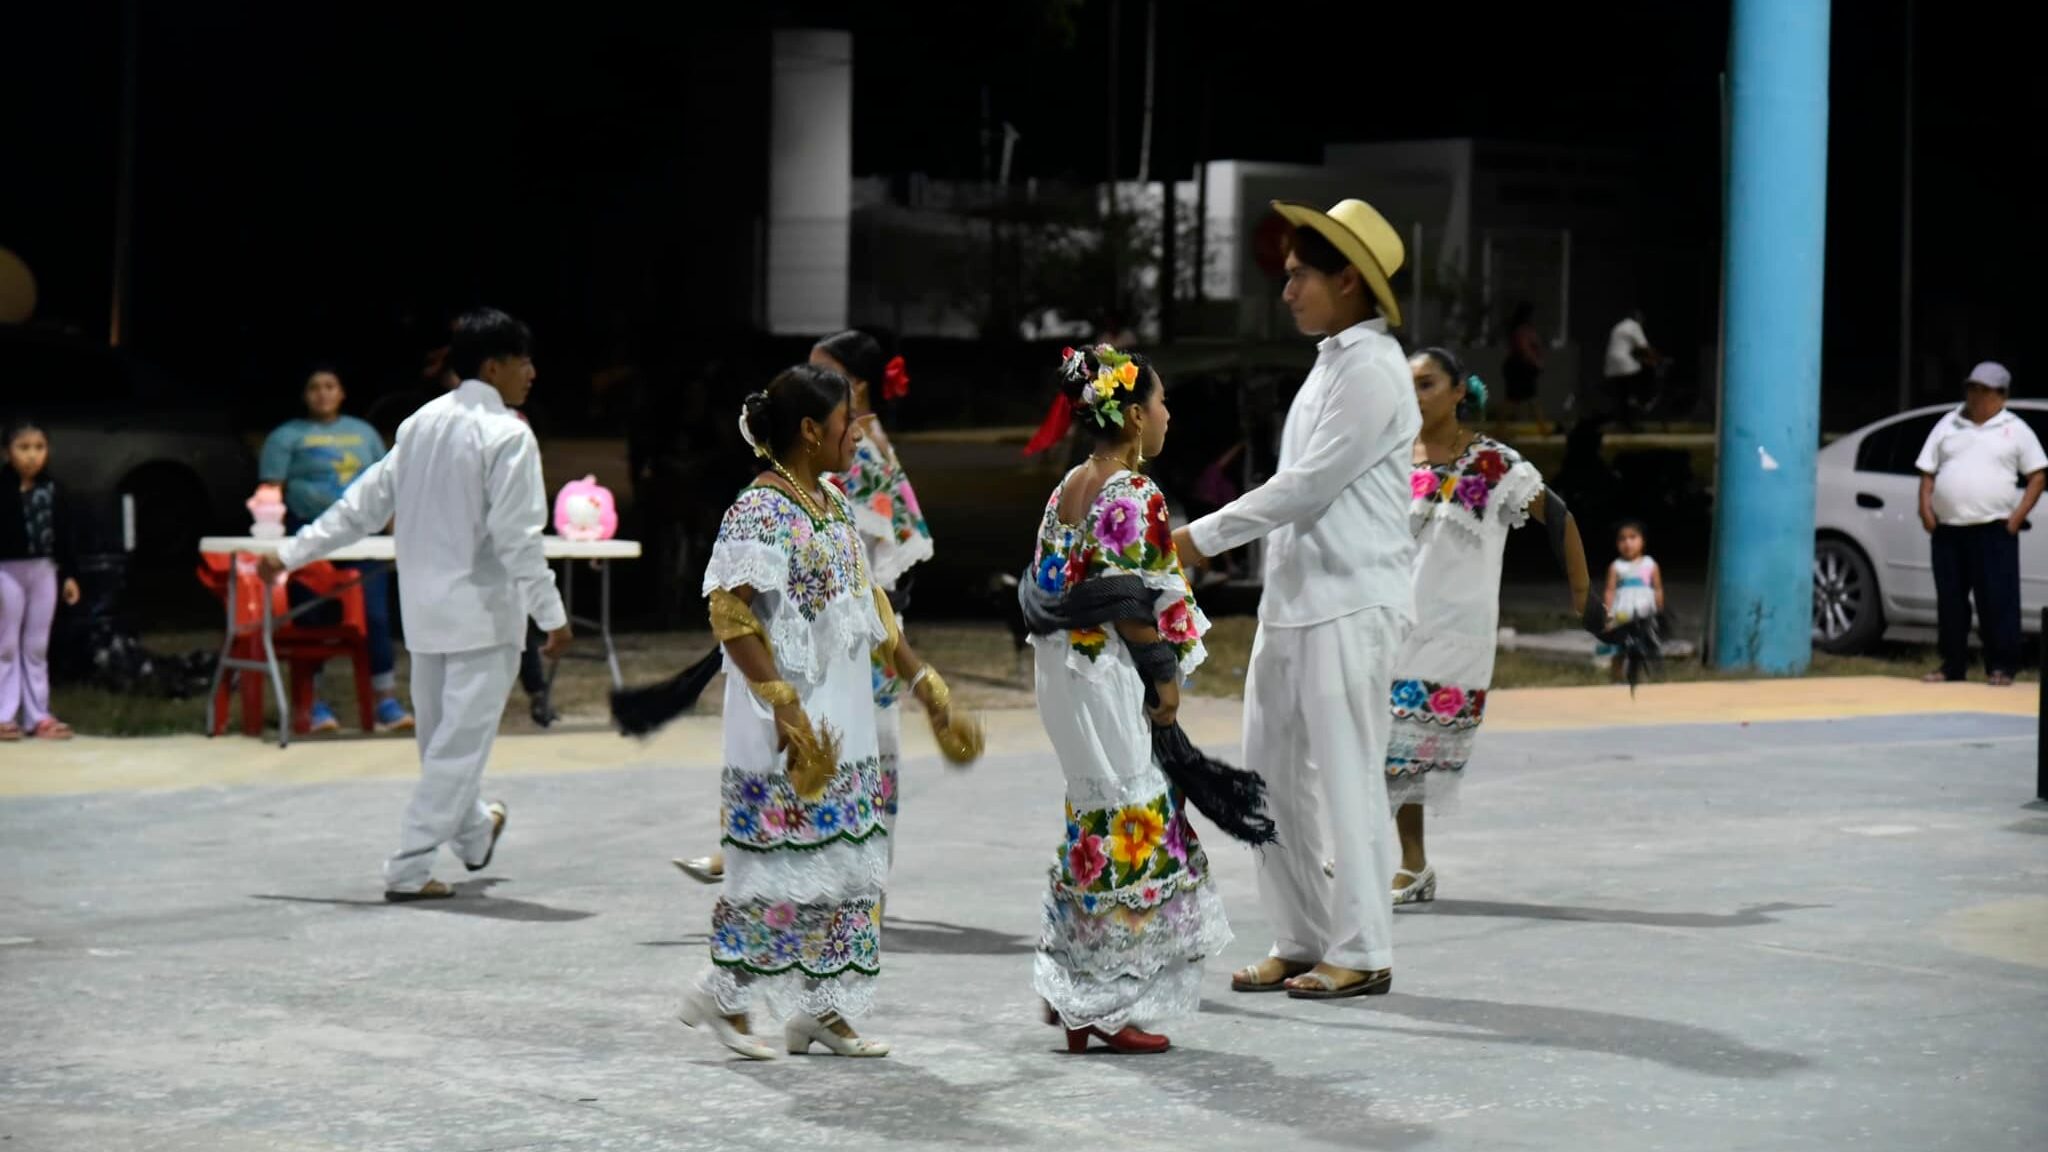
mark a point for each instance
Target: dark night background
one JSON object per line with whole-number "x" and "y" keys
{"x": 331, "y": 183}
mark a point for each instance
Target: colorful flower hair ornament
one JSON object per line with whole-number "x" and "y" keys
{"x": 1115, "y": 372}
{"x": 1108, "y": 373}
{"x": 895, "y": 379}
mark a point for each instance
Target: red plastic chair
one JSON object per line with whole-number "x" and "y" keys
{"x": 301, "y": 648}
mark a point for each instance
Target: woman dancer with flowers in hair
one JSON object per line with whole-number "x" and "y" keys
{"x": 1131, "y": 912}
{"x": 1468, "y": 491}
{"x": 892, "y": 528}
{"x": 795, "y": 935}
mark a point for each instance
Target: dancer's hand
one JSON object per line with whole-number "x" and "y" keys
{"x": 1594, "y": 618}
{"x": 1184, "y": 547}
{"x": 789, "y": 717}
{"x": 70, "y": 592}
{"x": 270, "y": 569}
{"x": 557, "y": 642}
{"x": 1168, "y": 712}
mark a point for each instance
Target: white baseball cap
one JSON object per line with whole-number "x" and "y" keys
{"x": 1993, "y": 375}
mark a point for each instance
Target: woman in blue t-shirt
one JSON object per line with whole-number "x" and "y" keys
{"x": 312, "y": 462}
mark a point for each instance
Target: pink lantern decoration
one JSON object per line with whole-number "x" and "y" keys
{"x": 584, "y": 510}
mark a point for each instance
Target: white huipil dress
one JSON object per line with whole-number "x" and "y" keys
{"x": 795, "y": 928}
{"x": 1131, "y": 911}
{"x": 892, "y": 528}
{"x": 1461, "y": 514}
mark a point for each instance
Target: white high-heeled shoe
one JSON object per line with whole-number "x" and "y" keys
{"x": 1421, "y": 887}
{"x": 700, "y": 869}
{"x": 700, "y": 1011}
{"x": 804, "y": 1031}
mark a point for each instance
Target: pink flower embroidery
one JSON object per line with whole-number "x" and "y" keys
{"x": 1177, "y": 624}
{"x": 1085, "y": 859}
{"x": 772, "y": 818}
{"x": 1447, "y": 700}
{"x": 907, "y": 496}
{"x": 1422, "y": 482}
{"x": 1120, "y": 524}
{"x": 779, "y": 916}
{"x": 1472, "y": 492}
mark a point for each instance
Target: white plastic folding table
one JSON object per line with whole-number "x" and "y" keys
{"x": 383, "y": 550}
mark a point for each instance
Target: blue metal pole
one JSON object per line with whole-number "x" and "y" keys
{"x": 1775, "y": 253}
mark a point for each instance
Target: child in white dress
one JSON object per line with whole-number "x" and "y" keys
{"x": 1635, "y": 584}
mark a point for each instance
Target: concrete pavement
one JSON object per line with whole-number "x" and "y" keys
{"x": 1808, "y": 914}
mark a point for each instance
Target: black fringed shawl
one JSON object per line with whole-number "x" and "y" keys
{"x": 1232, "y": 798}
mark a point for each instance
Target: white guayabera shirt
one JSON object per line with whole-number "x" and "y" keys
{"x": 464, "y": 481}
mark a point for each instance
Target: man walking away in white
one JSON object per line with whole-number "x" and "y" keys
{"x": 1338, "y": 603}
{"x": 1973, "y": 505}
{"x": 1629, "y": 367}
{"x": 464, "y": 482}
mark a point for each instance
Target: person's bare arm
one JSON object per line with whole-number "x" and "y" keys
{"x": 1576, "y": 574}
{"x": 1657, "y": 583}
{"x": 1927, "y": 501}
{"x": 1608, "y": 599}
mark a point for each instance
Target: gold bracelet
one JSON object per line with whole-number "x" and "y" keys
{"x": 893, "y": 632}
{"x": 732, "y": 619}
{"x": 774, "y": 693}
{"x": 937, "y": 697}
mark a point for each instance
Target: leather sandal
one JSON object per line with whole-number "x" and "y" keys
{"x": 431, "y": 890}
{"x": 1324, "y": 988}
{"x": 9, "y": 732}
{"x": 1246, "y": 979}
{"x": 499, "y": 816}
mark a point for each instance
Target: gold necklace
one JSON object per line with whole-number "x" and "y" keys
{"x": 1117, "y": 460}
{"x": 810, "y": 505}
{"x": 818, "y": 516}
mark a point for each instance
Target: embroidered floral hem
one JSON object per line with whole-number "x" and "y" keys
{"x": 1126, "y": 967}
{"x": 768, "y": 937}
{"x": 762, "y": 813}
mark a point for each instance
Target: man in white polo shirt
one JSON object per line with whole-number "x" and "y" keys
{"x": 1973, "y": 504}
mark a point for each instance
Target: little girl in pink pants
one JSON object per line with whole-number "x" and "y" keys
{"x": 35, "y": 561}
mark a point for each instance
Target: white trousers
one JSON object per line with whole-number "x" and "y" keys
{"x": 457, "y": 700}
{"x": 1315, "y": 727}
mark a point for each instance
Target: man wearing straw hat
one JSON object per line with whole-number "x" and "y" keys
{"x": 1337, "y": 605}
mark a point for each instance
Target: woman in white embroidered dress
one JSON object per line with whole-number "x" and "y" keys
{"x": 795, "y": 936}
{"x": 891, "y": 526}
{"x": 1469, "y": 491}
{"x": 1131, "y": 911}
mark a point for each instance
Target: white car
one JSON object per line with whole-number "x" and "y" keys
{"x": 1872, "y": 566}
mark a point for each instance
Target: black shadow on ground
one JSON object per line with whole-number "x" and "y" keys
{"x": 1683, "y": 1046}
{"x": 1748, "y": 917}
{"x": 471, "y": 899}
{"x": 1248, "y": 1088}
{"x": 892, "y": 1099}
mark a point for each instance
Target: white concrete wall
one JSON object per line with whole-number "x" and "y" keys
{"x": 810, "y": 181}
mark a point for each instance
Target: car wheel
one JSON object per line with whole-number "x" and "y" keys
{"x": 1847, "y": 615}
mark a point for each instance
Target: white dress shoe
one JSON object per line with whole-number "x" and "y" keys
{"x": 701, "y": 1011}
{"x": 804, "y": 1031}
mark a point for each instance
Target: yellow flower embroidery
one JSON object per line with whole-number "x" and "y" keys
{"x": 1134, "y": 835}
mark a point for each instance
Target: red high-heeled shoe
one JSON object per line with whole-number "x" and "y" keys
{"x": 1130, "y": 1041}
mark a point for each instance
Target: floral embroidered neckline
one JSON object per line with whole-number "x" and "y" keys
{"x": 1467, "y": 481}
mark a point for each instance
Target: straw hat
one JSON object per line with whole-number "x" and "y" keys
{"x": 1364, "y": 237}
